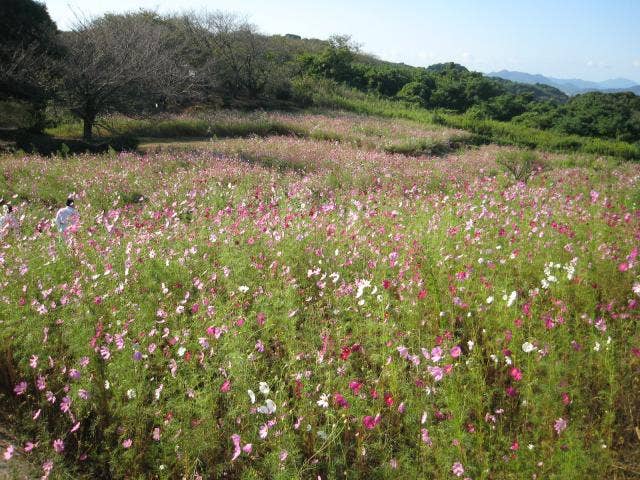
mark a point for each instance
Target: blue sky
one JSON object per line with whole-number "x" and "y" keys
{"x": 588, "y": 39}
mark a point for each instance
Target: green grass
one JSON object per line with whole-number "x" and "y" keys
{"x": 485, "y": 131}
{"x": 177, "y": 128}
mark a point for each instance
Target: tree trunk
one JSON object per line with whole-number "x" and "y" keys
{"x": 87, "y": 131}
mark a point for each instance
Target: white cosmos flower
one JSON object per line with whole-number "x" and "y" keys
{"x": 264, "y": 388}
{"x": 512, "y": 298}
{"x": 131, "y": 394}
{"x": 362, "y": 284}
{"x": 268, "y": 408}
{"x": 490, "y": 299}
{"x": 528, "y": 347}
{"x": 243, "y": 288}
{"x": 324, "y": 401}
{"x": 252, "y": 396}
{"x": 181, "y": 351}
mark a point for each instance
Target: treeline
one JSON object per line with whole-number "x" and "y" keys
{"x": 454, "y": 88}
{"x": 139, "y": 63}
{"x": 142, "y": 63}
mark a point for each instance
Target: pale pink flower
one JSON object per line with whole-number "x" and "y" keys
{"x": 560, "y": 425}
{"x": 457, "y": 469}
{"x": 424, "y": 434}
{"x": 58, "y": 445}
{"x": 8, "y": 453}
{"x": 436, "y": 372}
{"x": 30, "y": 446}
{"x": 20, "y": 388}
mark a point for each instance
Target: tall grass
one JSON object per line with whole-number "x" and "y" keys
{"x": 182, "y": 127}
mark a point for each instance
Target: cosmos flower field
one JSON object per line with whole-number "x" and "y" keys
{"x": 286, "y": 307}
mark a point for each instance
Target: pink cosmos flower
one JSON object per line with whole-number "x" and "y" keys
{"x": 456, "y": 351}
{"x": 370, "y": 422}
{"x": 127, "y": 443}
{"x": 65, "y": 404}
{"x": 516, "y": 374}
{"x": 436, "y": 354}
{"x": 246, "y": 448}
{"x": 20, "y": 388}
{"x": 41, "y": 383}
{"x": 46, "y": 468}
{"x": 436, "y": 372}
{"x": 512, "y": 392}
{"x": 340, "y": 401}
{"x": 8, "y": 453}
{"x": 30, "y": 446}
{"x": 226, "y": 386}
{"x": 457, "y": 469}
{"x": 424, "y": 434}
{"x": 355, "y": 386}
{"x": 560, "y": 425}
{"x": 58, "y": 445}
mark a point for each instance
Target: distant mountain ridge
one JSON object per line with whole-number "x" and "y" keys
{"x": 570, "y": 86}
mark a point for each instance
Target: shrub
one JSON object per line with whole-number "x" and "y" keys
{"x": 522, "y": 165}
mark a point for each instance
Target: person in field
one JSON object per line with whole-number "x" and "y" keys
{"x": 67, "y": 216}
{"x": 8, "y": 222}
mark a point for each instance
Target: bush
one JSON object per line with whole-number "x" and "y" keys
{"x": 522, "y": 165}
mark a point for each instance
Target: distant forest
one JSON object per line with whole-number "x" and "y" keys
{"x": 142, "y": 63}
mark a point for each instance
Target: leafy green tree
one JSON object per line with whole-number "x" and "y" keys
{"x": 334, "y": 62}
{"x": 387, "y": 81}
{"x": 419, "y": 91}
{"x": 597, "y": 114}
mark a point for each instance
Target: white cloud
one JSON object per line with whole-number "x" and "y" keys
{"x": 636, "y": 63}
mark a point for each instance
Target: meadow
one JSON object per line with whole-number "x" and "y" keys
{"x": 321, "y": 295}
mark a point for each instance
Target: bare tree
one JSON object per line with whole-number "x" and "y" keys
{"x": 120, "y": 63}
{"x": 233, "y": 51}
